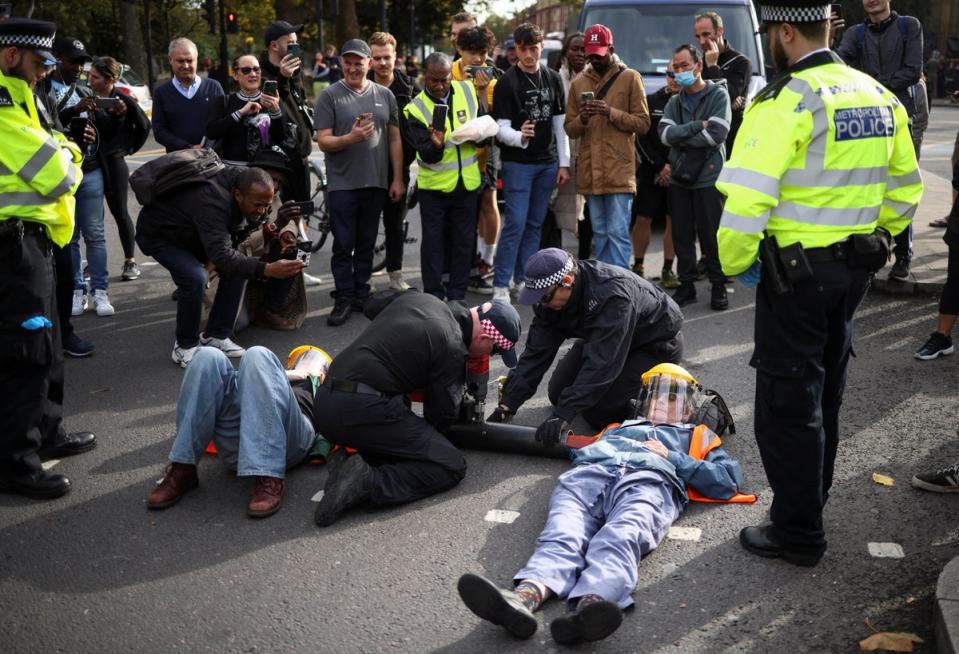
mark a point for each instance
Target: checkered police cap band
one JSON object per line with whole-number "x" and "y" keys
{"x": 499, "y": 340}
{"x": 26, "y": 41}
{"x": 545, "y": 282}
{"x": 780, "y": 14}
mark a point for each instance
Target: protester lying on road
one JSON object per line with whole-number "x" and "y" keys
{"x": 613, "y": 507}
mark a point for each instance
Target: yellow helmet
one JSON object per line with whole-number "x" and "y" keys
{"x": 669, "y": 394}
{"x": 310, "y": 359}
{"x": 668, "y": 369}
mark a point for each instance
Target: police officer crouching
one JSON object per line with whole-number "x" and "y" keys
{"x": 39, "y": 174}
{"x": 823, "y": 171}
{"x": 625, "y": 325}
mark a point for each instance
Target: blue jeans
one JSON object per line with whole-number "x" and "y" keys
{"x": 610, "y": 216}
{"x": 903, "y": 248}
{"x": 526, "y": 190}
{"x": 250, "y": 414}
{"x": 89, "y": 222}
{"x": 190, "y": 278}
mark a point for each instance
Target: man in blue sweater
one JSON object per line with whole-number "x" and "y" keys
{"x": 182, "y": 105}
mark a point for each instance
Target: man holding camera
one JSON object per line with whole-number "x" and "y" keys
{"x": 606, "y": 107}
{"x": 357, "y": 126}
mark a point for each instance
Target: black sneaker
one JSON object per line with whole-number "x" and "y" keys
{"x": 900, "y": 270}
{"x": 940, "y": 481}
{"x": 480, "y": 285}
{"x": 340, "y": 314}
{"x": 76, "y": 346}
{"x": 718, "y": 300}
{"x": 686, "y": 294}
{"x": 592, "y": 620}
{"x": 130, "y": 272}
{"x": 347, "y": 486}
{"x": 496, "y": 605}
{"x": 937, "y": 345}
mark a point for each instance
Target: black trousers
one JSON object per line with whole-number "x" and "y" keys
{"x": 410, "y": 459}
{"x": 63, "y": 271}
{"x": 949, "y": 300}
{"x": 614, "y": 405}
{"x": 449, "y": 233}
{"x": 696, "y": 211}
{"x": 354, "y": 219}
{"x": 803, "y": 343}
{"x": 31, "y": 362}
{"x": 394, "y": 213}
{"x": 116, "y": 178}
{"x": 585, "y": 249}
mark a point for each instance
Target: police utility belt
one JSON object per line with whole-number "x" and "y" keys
{"x": 784, "y": 267}
{"x": 15, "y": 229}
{"x": 356, "y": 387}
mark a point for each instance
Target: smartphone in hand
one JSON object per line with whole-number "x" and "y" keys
{"x": 586, "y": 96}
{"x": 294, "y": 50}
{"x": 836, "y": 8}
{"x": 440, "y": 112}
{"x": 106, "y": 103}
{"x": 365, "y": 119}
{"x": 269, "y": 87}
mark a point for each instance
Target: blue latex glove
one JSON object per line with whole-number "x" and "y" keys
{"x": 751, "y": 277}
{"x": 36, "y": 323}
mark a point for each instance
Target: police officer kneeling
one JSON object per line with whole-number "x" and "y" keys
{"x": 824, "y": 166}
{"x": 625, "y": 325}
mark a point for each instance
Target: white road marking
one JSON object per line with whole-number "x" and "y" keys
{"x": 318, "y": 496}
{"x": 499, "y": 515}
{"x": 684, "y": 533}
{"x": 49, "y": 464}
{"x": 886, "y": 550}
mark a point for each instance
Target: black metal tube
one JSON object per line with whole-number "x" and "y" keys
{"x": 500, "y": 437}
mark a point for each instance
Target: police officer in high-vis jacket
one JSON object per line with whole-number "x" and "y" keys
{"x": 822, "y": 174}
{"x": 39, "y": 173}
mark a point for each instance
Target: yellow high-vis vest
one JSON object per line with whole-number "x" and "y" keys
{"x": 823, "y": 154}
{"x": 39, "y": 172}
{"x": 457, "y": 159}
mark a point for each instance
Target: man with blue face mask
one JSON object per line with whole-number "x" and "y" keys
{"x": 695, "y": 124}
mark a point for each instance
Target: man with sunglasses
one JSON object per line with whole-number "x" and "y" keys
{"x": 624, "y": 326}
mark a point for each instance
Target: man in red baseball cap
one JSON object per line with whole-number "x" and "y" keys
{"x": 605, "y": 108}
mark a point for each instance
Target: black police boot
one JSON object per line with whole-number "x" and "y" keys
{"x": 42, "y": 485}
{"x": 64, "y": 444}
{"x": 718, "y": 300}
{"x": 347, "y": 486}
{"x": 685, "y": 294}
{"x": 340, "y": 314}
{"x": 762, "y": 542}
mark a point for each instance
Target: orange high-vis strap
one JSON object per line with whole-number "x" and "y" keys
{"x": 577, "y": 441}
{"x": 702, "y": 442}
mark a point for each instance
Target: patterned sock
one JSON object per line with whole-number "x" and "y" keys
{"x": 586, "y": 600}
{"x": 530, "y": 594}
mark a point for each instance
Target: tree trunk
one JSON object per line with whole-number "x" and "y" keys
{"x": 347, "y": 24}
{"x": 134, "y": 53}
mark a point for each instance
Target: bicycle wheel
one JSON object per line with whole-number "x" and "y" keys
{"x": 317, "y": 224}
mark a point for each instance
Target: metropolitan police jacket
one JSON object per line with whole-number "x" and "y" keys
{"x": 614, "y": 311}
{"x": 417, "y": 342}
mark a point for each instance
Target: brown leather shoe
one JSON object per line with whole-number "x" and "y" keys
{"x": 177, "y": 480}
{"x": 267, "y": 497}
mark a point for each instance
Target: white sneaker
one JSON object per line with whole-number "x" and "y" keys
{"x": 516, "y": 289}
{"x": 224, "y": 345}
{"x": 501, "y": 293}
{"x": 183, "y": 355}
{"x": 396, "y": 281}
{"x": 79, "y": 302}
{"x": 101, "y": 303}
{"x": 312, "y": 280}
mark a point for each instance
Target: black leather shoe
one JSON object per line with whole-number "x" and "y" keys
{"x": 66, "y": 444}
{"x": 685, "y": 294}
{"x": 761, "y": 542}
{"x": 340, "y": 314}
{"x": 347, "y": 486}
{"x": 43, "y": 485}
{"x": 358, "y": 303}
{"x": 594, "y": 621}
{"x": 497, "y": 605}
{"x": 718, "y": 299}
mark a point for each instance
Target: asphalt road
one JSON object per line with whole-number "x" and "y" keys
{"x": 95, "y": 571}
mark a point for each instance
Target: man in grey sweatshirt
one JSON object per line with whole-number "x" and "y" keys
{"x": 695, "y": 124}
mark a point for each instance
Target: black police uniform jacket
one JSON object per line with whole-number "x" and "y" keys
{"x": 614, "y": 311}
{"x": 416, "y": 343}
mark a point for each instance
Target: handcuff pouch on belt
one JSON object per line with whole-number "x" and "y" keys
{"x": 870, "y": 251}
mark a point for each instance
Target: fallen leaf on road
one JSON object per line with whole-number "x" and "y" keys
{"x": 889, "y": 641}
{"x": 883, "y": 479}
{"x": 99, "y": 390}
{"x": 683, "y": 605}
{"x": 910, "y": 600}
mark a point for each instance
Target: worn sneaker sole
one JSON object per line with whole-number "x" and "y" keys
{"x": 933, "y": 488}
{"x": 344, "y": 489}
{"x": 593, "y": 622}
{"x": 938, "y": 353}
{"x": 486, "y": 601}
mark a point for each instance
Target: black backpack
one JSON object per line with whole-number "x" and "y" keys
{"x": 153, "y": 180}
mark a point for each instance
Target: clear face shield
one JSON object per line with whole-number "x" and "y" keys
{"x": 309, "y": 361}
{"x": 668, "y": 399}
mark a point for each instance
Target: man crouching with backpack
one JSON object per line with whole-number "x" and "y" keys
{"x": 191, "y": 232}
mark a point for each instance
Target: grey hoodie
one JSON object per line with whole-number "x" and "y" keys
{"x": 680, "y": 129}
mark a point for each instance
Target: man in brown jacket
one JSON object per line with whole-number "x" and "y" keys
{"x": 606, "y": 106}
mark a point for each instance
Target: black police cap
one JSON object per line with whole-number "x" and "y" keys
{"x": 29, "y": 34}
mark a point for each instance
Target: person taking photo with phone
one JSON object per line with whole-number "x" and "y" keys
{"x": 248, "y": 119}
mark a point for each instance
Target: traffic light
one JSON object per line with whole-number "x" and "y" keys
{"x": 232, "y": 23}
{"x": 209, "y": 15}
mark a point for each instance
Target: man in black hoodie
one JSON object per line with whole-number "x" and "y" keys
{"x": 279, "y": 64}
{"x": 721, "y": 61}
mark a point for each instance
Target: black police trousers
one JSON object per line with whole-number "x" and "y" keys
{"x": 614, "y": 405}
{"x": 803, "y": 343}
{"x": 31, "y": 362}
{"x": 410, "y": 459}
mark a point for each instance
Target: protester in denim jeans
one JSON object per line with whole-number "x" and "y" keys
{"x": 257, "y": 438}
{"x": 529, "y": 105}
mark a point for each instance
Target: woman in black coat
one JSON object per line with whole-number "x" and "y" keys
{"x": 125, "y": 136}
{"x": 248, "y": 118}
